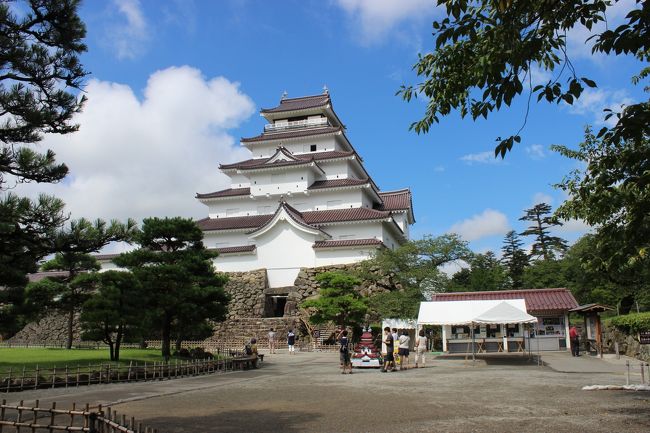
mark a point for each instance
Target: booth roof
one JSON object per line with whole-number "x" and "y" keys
{"x": 467, "y": 312}
{"x": 538, "y": 301}
{"x": 399, "y": 323}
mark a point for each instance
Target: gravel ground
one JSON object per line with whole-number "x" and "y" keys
{"x": 307, "y": 393}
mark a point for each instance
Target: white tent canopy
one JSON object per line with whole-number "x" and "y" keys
{"x": 479, "y": 311}
{"x": 399, "y": 323}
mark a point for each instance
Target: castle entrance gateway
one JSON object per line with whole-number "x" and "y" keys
{"x": 276, "y": 302}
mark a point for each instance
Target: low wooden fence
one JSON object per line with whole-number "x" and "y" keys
{"x": 20, "y": 417}
{"x": 35, "y": 378}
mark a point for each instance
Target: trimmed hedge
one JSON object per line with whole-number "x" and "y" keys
{"x": 631, "y": 323}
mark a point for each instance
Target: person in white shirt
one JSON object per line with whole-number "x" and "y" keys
{"x": 420, "y": 348}
{"x": 404, "y": 342}
{"x": 272, "y": 343}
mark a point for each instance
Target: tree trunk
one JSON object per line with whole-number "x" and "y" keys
{"x": 118, "y": 342}
{"x": 111, "y": 350}
{"x": 68, "y": 341}
{"x": 166, "y": 337}
{"x": 179, "y": 341}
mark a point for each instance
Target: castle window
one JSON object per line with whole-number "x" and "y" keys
{"x": 312, "y": 148}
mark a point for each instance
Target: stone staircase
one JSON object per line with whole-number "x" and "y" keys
{"x": 242, "y": 329}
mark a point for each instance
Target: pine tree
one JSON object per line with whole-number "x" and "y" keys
{"x": 514, "y": 259}
{"x": 545, "y": 245}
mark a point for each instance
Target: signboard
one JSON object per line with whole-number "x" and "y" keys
{"x": 644, "y": 337}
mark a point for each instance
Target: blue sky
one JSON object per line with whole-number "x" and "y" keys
{"x": 175, "y": 84}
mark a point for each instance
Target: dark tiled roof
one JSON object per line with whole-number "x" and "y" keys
{"x": 301, "y": 159}
{"x": 292, "y": 134}
{"x": 396, "y": 200}
{"x": 38, "y": 276}
{"x": 231, "y": 192}
{"x": 347, "y": 243}
{"x": 105, "y": 256}
{"x": 305, "y": 102}
{"x": 233, "y": 223}
{"x": 310, "y": 218}
{"x": 537, "y": 300}
{"x": 342, "y": 215}
{"x": 337, "y": 183}
{"x": 237, "y": 249}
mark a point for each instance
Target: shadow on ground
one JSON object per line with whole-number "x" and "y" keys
{"x": 237, "y": 421}
{"x": 496, "y": 359}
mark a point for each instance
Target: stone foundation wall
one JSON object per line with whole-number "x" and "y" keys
{"x": 627, "y": 344}
{"x": 245, "y": 319}
{"x": 52, "y": 328}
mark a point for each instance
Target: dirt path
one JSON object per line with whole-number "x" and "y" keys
{"x": 306, "y": 393}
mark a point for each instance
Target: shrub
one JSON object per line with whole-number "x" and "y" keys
{"x": 631, "y": 323}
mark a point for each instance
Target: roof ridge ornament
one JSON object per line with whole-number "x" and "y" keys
{"x": 326, "y": 91}
{"x": 284, "y": 96}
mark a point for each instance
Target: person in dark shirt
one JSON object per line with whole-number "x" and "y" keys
{"x": 389, "y": 358}
{"x": 291, "y": 341}
{"x": 345, "y": 352}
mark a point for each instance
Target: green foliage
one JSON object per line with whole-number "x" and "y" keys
{"x": 486, "y": 51}
{"x": 40, "y": 79}
{"x": 66, "y": 294}
{"x": 611, "y": 193}
{"x": 39, "y": 82}
{"x": 544, "y": 274}
{"x": 26, "y": 230}
{"x": 114, "y": 310}
{"x": 631, "y": 323}
{"x": 514, "y": 259}
{"x": 338, "y": 302}
{"x": 403, "y": 304}
{"x": 485, "y": 273}
{"x": 173, "y": 263}
{"x": 416, "y": 264}
{"x": 545, "y": 246}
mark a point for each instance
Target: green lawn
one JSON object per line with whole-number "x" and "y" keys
{"x": 16, "y": 358}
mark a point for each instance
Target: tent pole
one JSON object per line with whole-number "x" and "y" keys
{"x": 473, "y": 344}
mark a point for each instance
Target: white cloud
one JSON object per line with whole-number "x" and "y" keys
{"x": 138, "y": 158}
{"x": 572, "y": 226}
{"x": 439, "y": 168}
{"x": 535, "y": 151}
{"x": 578, "y": 45}
{"x": 481, "y": 158}
{"x": 540, "y": 197}
{"x": 376, "y": 18}
{"x": 129, "y": 38}
{"x": 592, "y": 102}
{"x": 488, "y": 223}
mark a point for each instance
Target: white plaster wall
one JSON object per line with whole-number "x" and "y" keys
{"x": 402, "y": 221}
{"x": 283, "y": 250}
{"x": 389, "y": 240}
{"x": 316, "y": 200}
{"x": 342, "y": 256}
{"x": 221, "y": 240}
{"x": 336, "y": 169}
{"x": 355, "y": 231}
{"x": 280, "y": 181}
{"x": 239, "y": 181}
{"x": 303, "y": 145}
{"x": 236, "y": 263}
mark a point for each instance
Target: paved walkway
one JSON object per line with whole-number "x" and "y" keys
{"x": 307, "y": 393}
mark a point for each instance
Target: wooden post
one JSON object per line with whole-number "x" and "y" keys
{"x": 77, "y": 381}
{"x": 22, "y": 379}
{"x": 66, "y": 375}
{"x": 53, "y": 376}
{"x": 145, "y": 371}
{"x": 36, "y": 379}
{"x": 599, "y": 335}
{"x": 52, "y": 414}
{"x": 108, "y": 372}
{"x": 9, "y": 380}
{"x": 36, "y": 404}
{"x": 128, "y": 376}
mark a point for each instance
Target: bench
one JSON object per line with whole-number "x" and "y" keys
{"x": 248, "y": 361}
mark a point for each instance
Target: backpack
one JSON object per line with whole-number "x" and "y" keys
{"x": 344, "y": 345}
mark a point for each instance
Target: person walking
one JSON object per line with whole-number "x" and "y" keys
{"x": 403, "y": 351}
{"x": 389, "y": 357}
{"x": 420, "y": 348}
{"x": 344, "y": 350}
{"x": 291, "y": 341}
{"x": 574, "y": 336}
{"x": 272, "y": 342}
